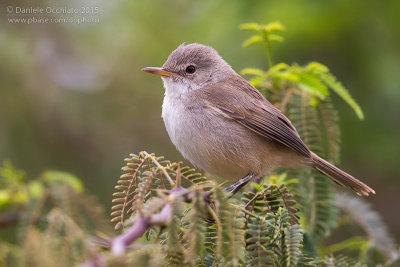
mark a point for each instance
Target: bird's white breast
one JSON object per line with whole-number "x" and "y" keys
{"x": 174, "y": 114}
{"x": 198, "y": 134}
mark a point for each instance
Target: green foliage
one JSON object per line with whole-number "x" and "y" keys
{"x": 292, "y": 245}
{"x": 54, "y": 220}
{"x": 143, "y": 174}
{"x": 204, "y": 227}
{"x": 230, "y": 230}
{"x": 53, "y": 177}
{"x": 12, "y": 191}
{"x": 265, "y": 34}
{"x": 16, "y": 191}
{"x": 179, "y": 218}
{"x": 314, "y": 78}
{"x": 175, "y": 249}
{"x": 259, "y": 249}
{"x": 196, "y": 235}
{"x": 371, "y": 223}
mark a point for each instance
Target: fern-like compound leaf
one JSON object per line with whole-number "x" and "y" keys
{"x": 330, "y": 80}
{"x": 175, "y": 250}
{"x": 230, "y": 230}
{"x": 370, "y": 221}
{"x": 252, "y": 40}
{"x": 196, "y": 234}
{"x": 141, "y": 192}
{"x": 126, "y": 186}
{"x": 293, "y": 237}
{"x": 187, "y": 173}
{"x": 259, "y": 250}
{"x": 329, "y": 125}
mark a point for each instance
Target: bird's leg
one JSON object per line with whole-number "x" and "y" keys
{"x": 233, "y": 188}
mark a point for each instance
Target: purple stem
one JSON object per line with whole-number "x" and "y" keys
{"x": 120, "y": 243}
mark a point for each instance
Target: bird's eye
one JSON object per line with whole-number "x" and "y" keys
{"x": 190, "y": 69}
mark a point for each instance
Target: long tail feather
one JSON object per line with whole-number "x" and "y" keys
{"x": 340, "y": 177}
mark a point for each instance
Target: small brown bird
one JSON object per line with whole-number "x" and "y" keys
{"x": 225, "y": 126}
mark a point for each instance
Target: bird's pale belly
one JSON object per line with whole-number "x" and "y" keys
{"x": 229, "y": 153}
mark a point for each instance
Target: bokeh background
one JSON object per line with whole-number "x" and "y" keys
{"x": 73, "y": 98}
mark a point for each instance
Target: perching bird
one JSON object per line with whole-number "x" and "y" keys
{"x": 226, "y": 127}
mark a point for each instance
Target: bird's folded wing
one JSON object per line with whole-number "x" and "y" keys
{"x": 249, "y": 108}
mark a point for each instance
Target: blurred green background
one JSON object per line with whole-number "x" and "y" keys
{"x": 73, "y": 98}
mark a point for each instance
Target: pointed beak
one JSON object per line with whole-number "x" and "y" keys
{"x": 159, "y": 71}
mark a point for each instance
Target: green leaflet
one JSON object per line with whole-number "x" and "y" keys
{"x": 314, "y": 78}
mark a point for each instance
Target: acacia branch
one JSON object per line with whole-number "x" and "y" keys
{"x": 160, "y": 167}
{"x": 145, "y": 222}
{"x": 121, "y": 242}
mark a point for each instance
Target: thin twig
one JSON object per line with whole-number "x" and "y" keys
{"x": 121, "y": 242}
{"x": 160, "y": 167}
{"x": 261, "y": 193}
